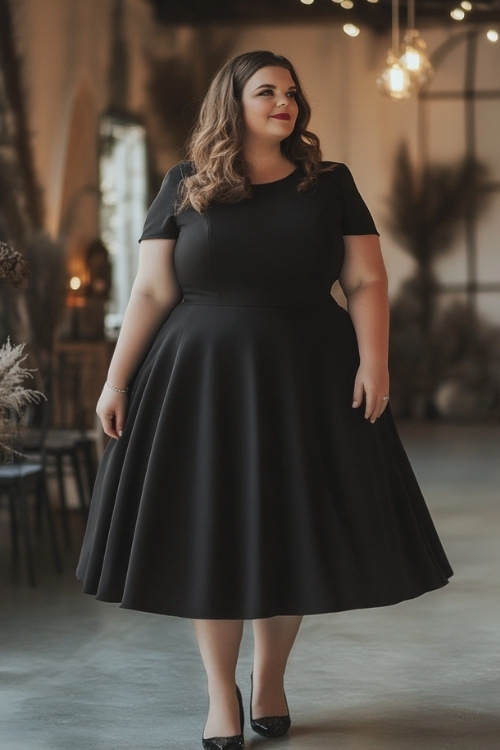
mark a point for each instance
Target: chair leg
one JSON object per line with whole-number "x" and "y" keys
{"x": 26, "y": 533}
{"x": 14, "y": 526}
{"x": 64, "y": 504}
{"x": 44, "y": 500}
{"x": 38, "y": 514}
{"x": 79, "y": 483}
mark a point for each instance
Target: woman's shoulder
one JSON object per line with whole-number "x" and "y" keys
{"x": 179, "y": 171}
{"x": 332, "y": 167}
{"x": 336, "y": 173}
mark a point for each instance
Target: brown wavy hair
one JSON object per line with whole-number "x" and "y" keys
{"x": 215, "y": 146}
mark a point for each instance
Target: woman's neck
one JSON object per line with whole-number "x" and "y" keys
{"x": 267, "y": 166}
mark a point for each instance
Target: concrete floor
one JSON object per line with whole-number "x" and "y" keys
{"x": 76, "y": 674}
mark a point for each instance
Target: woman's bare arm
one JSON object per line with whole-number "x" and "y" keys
{"x": 154, "y": 295}
{"x": 364, "y": 282}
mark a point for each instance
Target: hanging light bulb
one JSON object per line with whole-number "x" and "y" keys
{"x": 351, "y": 29}
{"x": 414, "y": 55}
{"x": 394, "y": 79}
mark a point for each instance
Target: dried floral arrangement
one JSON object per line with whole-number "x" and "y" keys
{"x": 14, "y": 396}
{"x": 14, "y": 268}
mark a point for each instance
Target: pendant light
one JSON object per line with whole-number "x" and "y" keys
{"x": 414, "y": 55}
{"x": 394, "y": 79}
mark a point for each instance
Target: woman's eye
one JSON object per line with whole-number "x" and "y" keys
{"x": 270, "y": 92}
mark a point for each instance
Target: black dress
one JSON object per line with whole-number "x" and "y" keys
{"x": 245, "y": 485}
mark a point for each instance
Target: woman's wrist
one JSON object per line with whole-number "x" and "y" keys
{"x": 117, "y": 390}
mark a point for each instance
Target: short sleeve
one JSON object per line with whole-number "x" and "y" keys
{"x": 357, "y": 218}
{"x": 161, "y": 219}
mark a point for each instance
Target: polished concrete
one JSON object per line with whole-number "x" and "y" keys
{"x": 76, "y": 674}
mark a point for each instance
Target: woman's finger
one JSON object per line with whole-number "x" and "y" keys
{"x": 119, "y": 420}
{"x": 379, "y": 404}
{"x": 108, "y": 425}
{"x": 358, "y": 394}
{"x": 371, "y": 405}
{"x": 385, "y": 401}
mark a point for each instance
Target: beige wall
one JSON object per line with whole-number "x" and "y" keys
{"x": 66, "y": 45}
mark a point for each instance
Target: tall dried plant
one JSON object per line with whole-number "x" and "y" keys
{"x": 428, "y": 208}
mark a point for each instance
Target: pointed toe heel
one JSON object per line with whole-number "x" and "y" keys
{"x": 269, "y": 726}
{"x": 224, "y": 743}
{"x": 236, "y": 742}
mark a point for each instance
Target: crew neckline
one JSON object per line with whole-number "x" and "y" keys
{"x": 274, "y": 182}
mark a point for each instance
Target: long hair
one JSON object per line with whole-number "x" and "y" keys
{"x": 215, "y": 146}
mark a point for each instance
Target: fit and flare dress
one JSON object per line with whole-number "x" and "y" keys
{"x": 245, "y": 485}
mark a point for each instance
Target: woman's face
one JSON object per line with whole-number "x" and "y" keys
{"x": 269, "y": 106}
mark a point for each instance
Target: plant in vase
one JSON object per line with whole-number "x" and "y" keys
{"x": 14, "y": 395}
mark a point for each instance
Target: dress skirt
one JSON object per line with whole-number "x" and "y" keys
{"x": 246, "y": 486}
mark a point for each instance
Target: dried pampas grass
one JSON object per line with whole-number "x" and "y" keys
{"x": 14, "y": 396}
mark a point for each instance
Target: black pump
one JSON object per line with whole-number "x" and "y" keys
{"x": 228, "y": 743}
{"x": 269, "y": 726}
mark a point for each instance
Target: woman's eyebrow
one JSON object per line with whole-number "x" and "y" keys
{"x": 272, "y": 86}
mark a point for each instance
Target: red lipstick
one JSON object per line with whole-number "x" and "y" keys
{"x": 281, "y": 116}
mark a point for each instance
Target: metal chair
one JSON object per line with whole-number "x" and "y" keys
{"x": 18, "y": 481}
{"x": 68, "y": 444}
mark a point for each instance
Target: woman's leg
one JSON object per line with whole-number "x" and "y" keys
{"x": 219, "y": 643}
{"x": 274, "y": 638}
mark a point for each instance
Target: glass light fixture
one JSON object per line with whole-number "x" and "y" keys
{"x": 458, "y": 14}
{"x": 414, "y": 55}
{"x": 394, "y": 79}
{"x": 492, "y": 35}
{"x": 466, "y": 5}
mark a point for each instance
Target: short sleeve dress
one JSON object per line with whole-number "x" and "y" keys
{"x": 245, "y": 485}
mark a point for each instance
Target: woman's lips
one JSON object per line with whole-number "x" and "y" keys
{"x": 282, "y": 116}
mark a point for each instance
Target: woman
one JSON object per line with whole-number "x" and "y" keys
{"x": 256, "y": 472}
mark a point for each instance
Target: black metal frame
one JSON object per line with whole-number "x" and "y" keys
{"x": 470, "y": 95}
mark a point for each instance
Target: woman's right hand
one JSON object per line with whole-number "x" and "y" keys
{"x": 155, "y": 293}
{"x": 111, "y": 409}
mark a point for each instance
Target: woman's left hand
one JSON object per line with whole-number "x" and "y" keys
{"x": 371, "y": 386}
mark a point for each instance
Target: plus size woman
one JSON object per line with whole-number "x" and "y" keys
{"x": 255, "y": 472}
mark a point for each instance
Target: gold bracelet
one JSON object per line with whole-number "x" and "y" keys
{"x": 117, "y": 390}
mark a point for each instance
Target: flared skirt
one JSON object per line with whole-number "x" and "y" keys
{"x": 245, "y": 485}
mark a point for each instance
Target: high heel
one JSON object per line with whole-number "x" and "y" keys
{"x": 235, "y": 742}
{"x": 269, "y": 726}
